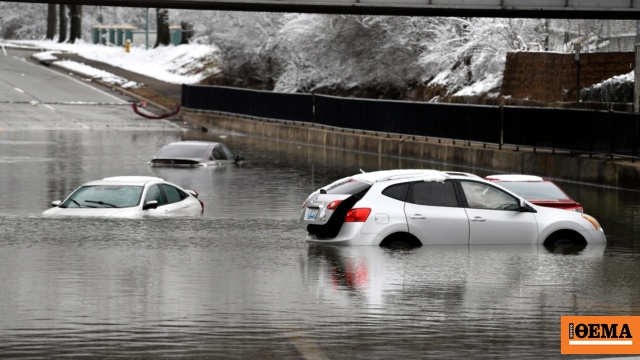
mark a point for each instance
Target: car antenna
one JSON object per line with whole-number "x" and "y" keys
{"x": 362, "y": 171}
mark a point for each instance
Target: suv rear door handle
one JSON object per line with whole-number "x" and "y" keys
{"x": 479, "y": 219}
{"x": 418, "y": 217}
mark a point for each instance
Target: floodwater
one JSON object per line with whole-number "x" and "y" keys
{"x": 239, "y": 282}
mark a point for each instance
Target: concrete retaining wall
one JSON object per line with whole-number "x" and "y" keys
{"x": 614, "y": 173}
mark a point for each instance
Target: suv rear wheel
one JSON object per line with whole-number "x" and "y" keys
{"x": 400, "y": 241}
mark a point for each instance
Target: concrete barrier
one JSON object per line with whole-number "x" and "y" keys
{"x": 603, "y": 172}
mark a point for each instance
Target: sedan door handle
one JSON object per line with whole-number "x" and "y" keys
{"x": 479, "y": 219}
{"x": 418, "y": 217}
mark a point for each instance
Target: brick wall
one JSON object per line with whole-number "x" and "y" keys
{"x": 552, "y": 76}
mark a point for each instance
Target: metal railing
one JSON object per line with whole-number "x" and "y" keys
{"x": 577, "y": 131}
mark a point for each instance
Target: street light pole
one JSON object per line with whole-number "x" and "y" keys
{"x": 146, "y": 32}
{"x": 577, "y": 59}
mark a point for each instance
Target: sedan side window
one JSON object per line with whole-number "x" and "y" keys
{"x": 433, "y": 193}
{"x": 173, "y": 195}
{"x": 483, "y": 196}
{"x": 154, "y": 194}
{"x": 218, "y": 153}
{"x": 227, "y": 152}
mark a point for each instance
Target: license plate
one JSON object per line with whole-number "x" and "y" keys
{"x": 312, "y": 213}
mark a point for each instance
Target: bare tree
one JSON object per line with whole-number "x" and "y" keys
{"x": 52, "y": 19}
{"x": 63, "y": 24}
{"x": 187, "y": 32}
{"x": 75, "y": 13}
{"x": 163, "y": 37}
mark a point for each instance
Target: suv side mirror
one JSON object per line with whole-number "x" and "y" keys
{"x": 239, "y": 158}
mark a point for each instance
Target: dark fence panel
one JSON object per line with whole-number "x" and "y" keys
{"x": 266, "y": 104}
{"x": 624, "y": 134}
{"x": 586, "y": 131}
{"x": 600, "y": 132}
{"x": 463, "y": 122}
{"x": 362, "y": 114}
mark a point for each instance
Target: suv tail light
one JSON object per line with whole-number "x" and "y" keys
{"x": 334, "y": 204}
{"x": 357, "y": 215}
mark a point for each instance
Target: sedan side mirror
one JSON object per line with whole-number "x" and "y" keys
{"x": 153, "y": 204}
{"x": 56, "y": 203}
{"x": 525, "y": 208}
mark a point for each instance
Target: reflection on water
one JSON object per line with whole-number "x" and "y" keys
{"x": 239, "y": 282}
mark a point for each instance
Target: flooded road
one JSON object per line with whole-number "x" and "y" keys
{"x": 239, "y": 282}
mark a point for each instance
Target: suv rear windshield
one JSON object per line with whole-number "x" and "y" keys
{"x": 349, "y": 188}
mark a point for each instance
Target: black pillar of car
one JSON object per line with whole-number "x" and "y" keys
{"x": 334, "y": 224}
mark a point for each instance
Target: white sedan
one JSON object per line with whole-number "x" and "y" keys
{"x": 128, "y": 197}
{"x": 421, "y": 207}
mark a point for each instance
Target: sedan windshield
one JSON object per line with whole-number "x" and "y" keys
{"x": 104, "y": 196}
{"x": 183, "y": 151}
{"x": 535, "y": 190}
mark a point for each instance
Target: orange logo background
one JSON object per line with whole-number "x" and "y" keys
{"x": 591, "y": 337}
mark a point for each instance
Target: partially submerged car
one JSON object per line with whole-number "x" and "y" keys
{"x": 194, "y": 154}
{"x": 537, "y": 190}
{"x": 128, "y": 197}
{"x": 421, "y": 207}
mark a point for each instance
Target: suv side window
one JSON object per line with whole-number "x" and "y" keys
{"x": 483, "y": 196}
{"x": 397, "y": 191}
{"x": 433, "y": 193}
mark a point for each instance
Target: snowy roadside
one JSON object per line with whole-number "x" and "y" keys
{"x": 183, "y": 64}
{"x": 85, "y": 70}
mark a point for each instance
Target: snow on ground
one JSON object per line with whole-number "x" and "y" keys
{"x": 183, "y": 64}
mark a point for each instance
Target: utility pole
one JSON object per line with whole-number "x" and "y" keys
{"x": 146, "y": 32}
{"x": 577, "y": 47}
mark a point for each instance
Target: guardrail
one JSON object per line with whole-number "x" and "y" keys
{"x": 578, "y": 131}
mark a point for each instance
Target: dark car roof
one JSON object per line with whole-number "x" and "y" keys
{"x": 185, "y": 149}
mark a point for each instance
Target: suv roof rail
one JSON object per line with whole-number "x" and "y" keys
{"x": 411, "y": 173}
{"x": 459, "y": 173}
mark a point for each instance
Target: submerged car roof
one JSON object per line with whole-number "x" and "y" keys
{"x": 125, "y": 180}
{"x": 193, "y": 142}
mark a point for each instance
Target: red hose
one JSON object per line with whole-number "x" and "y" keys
{"x": 163, "y": 116}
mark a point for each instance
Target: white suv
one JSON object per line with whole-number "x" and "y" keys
{"x": 421, "y": 207}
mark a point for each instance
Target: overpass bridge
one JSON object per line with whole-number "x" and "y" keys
{"x": 563, "y": 9}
